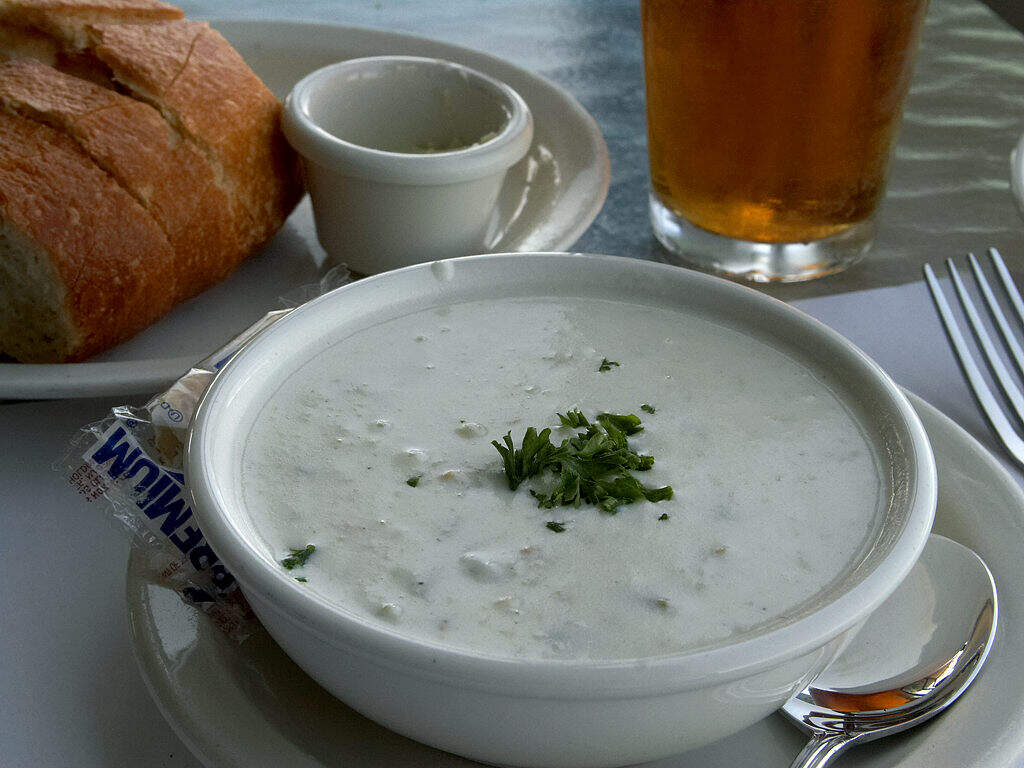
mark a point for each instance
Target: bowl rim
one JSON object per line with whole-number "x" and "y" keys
{"x": 566, "y": 678}
{"x": 316, "y": 144}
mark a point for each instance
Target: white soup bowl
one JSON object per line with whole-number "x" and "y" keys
{"x": 556, "y": 712}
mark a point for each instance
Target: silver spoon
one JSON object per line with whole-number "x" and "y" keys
{"x": 914, "y": 656}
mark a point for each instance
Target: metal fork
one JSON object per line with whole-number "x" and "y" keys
{"x": 979, "y": 386}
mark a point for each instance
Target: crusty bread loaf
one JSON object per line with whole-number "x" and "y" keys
{"x": 82, "y": 264}
{"x": 167, "y": 113}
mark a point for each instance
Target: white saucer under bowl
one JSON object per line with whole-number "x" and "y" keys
{"x": 247, "y": 705}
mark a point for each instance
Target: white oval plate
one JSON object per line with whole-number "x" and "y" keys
{"x": 250, "y": 705}
{"x": 548, "y": 200}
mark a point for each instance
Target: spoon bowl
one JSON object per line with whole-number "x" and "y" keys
{"x": 913, "y": 657}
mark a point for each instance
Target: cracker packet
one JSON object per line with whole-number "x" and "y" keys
{"x": 132, "y": 461}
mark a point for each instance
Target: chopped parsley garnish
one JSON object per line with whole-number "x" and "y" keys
{"x": 556, "y": 527}
{"x": 298, "y": 557}
{"x": 606, "y": 365}
{"x": 593, "y": 466}
{"x": 647, "y": 407}
{"x": 303, "y": 579}
{"x": 413, "y": 481}
{"x": 664, "y": 516}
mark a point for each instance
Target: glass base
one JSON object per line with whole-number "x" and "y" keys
{"x": 754, "y": 261}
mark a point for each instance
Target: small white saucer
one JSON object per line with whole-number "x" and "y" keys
{"x": 250, "y": 705}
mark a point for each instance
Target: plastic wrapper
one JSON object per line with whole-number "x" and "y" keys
{"x": 132, "y": 461}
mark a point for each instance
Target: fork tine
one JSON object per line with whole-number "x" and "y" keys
{"x": 1008, "y": 285}
{"x": 989, "y": 406}
{"x": 997, "y": 314}
{"x": 1002, "y": 375}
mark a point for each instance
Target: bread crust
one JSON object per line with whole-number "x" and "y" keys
{"x": 61, "y": 15}
{"x": 205, "y": 89}
{"x": 171, "y": 118}
{"x": 108, "y": 251}
{"x": 133, "y": 143}
{"x": 127, "y": 10}
{"x": 66, "y": 19}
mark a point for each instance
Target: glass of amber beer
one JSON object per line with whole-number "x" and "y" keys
{"x": 770, "y": 124}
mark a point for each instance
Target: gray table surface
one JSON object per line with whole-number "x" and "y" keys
{"x": 71, "y": 693}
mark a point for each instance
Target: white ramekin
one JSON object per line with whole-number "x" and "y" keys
{"x": 404, "y": 157}
{"x": 554, "y": 712}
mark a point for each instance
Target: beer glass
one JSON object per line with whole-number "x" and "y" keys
{"x": 770, "y": 124}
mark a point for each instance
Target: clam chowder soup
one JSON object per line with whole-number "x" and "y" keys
{"x": 371, "y": 478}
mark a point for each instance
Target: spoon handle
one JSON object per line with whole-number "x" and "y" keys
{"x": 821, "y": 749}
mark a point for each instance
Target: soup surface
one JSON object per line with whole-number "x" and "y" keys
{"x": 378, "y": 452}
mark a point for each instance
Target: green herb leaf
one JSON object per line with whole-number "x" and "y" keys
{"x": 574, "y": 419}
{"x": 625, "y": 489}
{"x": 606, "y": 365}
{"x": 626, "y": 423}
{"x": 298, "y": 557}
{"x": 533, "y": 458}
{"x": 647, "y": 407}
{"x": 664, "y": 516}
{"x": 303, "y": 579}
{"x": 413, "y": 481}
{"x": 644, "y": 463}
{"x": 658, "y": 494}
{"x": 556, "y": 527}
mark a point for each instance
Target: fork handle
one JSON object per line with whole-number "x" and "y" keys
{"x": 821, "y": 749}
